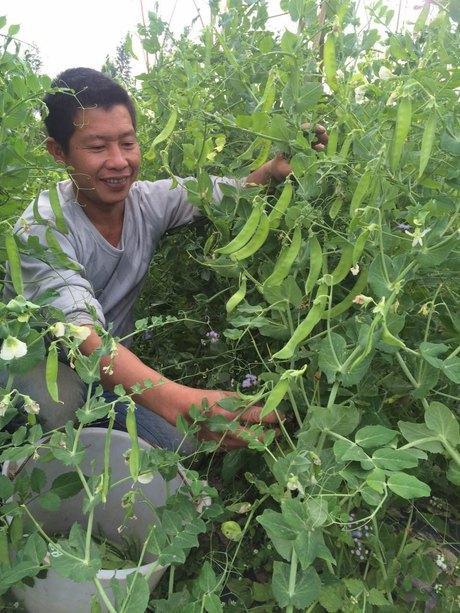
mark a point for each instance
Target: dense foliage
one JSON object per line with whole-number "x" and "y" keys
{"x": 331, "y": 299}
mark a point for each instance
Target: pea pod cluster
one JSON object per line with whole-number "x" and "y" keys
{"x": 276, "y": 214}
{"x": 402, "y": 127}
{"x": 246, "y": 232}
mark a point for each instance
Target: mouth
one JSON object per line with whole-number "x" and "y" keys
{"x": 116, "y": 182}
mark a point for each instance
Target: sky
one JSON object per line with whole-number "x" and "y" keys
{"x": 84, "y": 32}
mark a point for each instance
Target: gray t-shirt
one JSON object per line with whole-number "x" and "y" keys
{"x": 109, "y": 278}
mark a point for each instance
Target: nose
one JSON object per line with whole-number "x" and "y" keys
{"x": 116, "y": 159}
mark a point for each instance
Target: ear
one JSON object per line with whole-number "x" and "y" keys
{"x": 55, "y": 150}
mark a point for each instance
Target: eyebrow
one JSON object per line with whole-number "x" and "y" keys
{"x": 129, "y": 133}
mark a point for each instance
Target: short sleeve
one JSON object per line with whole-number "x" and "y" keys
{"x": 62, "y": 274}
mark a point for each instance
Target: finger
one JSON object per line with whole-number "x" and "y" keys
{"x": 319, "y": 129}
{"x": 252, "y": 415}
{"x": 319, "y": 147}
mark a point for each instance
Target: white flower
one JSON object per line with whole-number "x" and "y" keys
{"x": 145, "y": 478}
{"x": 354, "y": 270}
{"x": 417, "y": 236}
{"x": 385, "y": 73}
{"x": 30, "y": 406}
{"x": 362, "y": 299}
{"x": 5, "y": 403}
{"x": 58, "y": 329}
{"x": 360, "y": 94}
{"x": 12, "y": 348}
{"x": 80, "y": 333}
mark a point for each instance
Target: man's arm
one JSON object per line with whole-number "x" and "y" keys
{"x": 276, "y": 170}
{"x": 166, "y": 398}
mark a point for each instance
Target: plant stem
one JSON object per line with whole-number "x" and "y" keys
{"x": 333, "y": 394}
{"x": 292, "y": 579}
{"x": 103, "y": 595}
{"x": 89, "y": 531}
{"x": 409, "y": 375}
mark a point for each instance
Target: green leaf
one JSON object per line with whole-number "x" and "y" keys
{"x": 338, "y": 418}
{"x": 331, "y": 598}
{"x": 377, "y": 598}
{"x": 442, "y": 421}
{"x": 71, "y": 563}
{"x": 307, "y": 586}
{"x": 374, "y": 436}
{"x": 377, "y": 278}
{"x": 413, "y": 433}
{"x": 49, "y": 501}
{"x": 67, "y": 485}
{"x": 276, "y": 525}
{"x": 348, "y": 450}
{"x": 137, "y": 594}
{"x": 37, "y": 479}
{"x": 393, "y": 459}
{"x": 6, "y": 487}
{"x": 453, "y": 473}
{"x": 408, "y": 486}
{"x": 331, "y": 355}
{"x": 430, "y": 351}
{"x": 451, "y": 368}
{"x": 310, "y": 545}
{"x": 376, "y": 480}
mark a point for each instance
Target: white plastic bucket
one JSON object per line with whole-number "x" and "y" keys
{"x": 56, "y": 594}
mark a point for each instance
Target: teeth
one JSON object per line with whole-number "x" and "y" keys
{"x": 115, "y": 181}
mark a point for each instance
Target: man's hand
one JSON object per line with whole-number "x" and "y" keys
{"x": 230, "y": 440}
{"x": 278, "y": 169}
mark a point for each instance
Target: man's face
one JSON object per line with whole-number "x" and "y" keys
{"x": 104, "y": 156}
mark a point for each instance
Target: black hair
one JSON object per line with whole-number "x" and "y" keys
{"x": 89, "y": 88}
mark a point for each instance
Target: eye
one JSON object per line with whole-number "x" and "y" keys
{"x": 129, "y": 144}
{"x": 97, "y": 148}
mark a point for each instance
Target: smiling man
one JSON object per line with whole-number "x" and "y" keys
{"x": 114, "y": 226}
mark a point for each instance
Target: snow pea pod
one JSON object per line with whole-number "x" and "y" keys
{"x": 280, "y": 207}
{"x": 14, "y": 260}
{"x": 255, "y": 243}
{"x": 285, "y": 260}
{"x": 263, "y": 154}
{"x": 4, "y": 552}
{"x": 359, "y": 245}
{"x": 330, "y": 63}
{"x": 345, "y": 304}
{"x": 268, "y": 97}
{"x": 335, "y": 208}
{"x": 131, "y": 428}
{"x": 51, "y": 371}
{"x": 237, "y": 297}
{"x": 316, "y": 263}
{"x": 245, "y": 233}
{"x": 275, "y": 397}
{"x": 343, "y": 267}
{"x": 306, "y": 326}
{"x": 403, "y": 123}
{"x": 57, "y": 210}
{"x": 427, "y": 143}
{"x": 333, "y": 140}
{"x": 166, "y": 132}
{"x": 361, "y": 190}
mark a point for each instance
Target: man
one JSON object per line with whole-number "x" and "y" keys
{"x": 114, "y": 225}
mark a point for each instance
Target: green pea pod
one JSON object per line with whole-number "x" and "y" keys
{"x": 51, "y": 372}
{"x": 427, "y": 143}
{"x": 421, "y": 19}
{"x": 16, "y": 529}
{"x": 403, "y": 123}
{"x": 14, "y": 260}
{"x": 316, "y": 263}
{"x": 391, "y": 339}
{"x": 280, "y": 207}
{"x": 246, "y": 232}
{"x": 255, "y": 243}
{"x": 333, "y": 140}
{"x": 4, "y": 551}
{"x": 37, "y": 217}
{"x": 343, "y": 267}
{"x": 346, "y": 303}
{"x": 335, "y": 208}
{"x": 306, "y": 326}
{"x": 268, "y": 97}
{"x": 361, "y": 190}
{"x": 57, "y": 210}
{"x": 346, "y": 146}
{"x": 263, "y": 155}
{"x": 359, "y": 245}
{"x": 285, "y": 260}
{"x": 275, "y": 397}
{"x": 330, "y": 63}
{"x": 131, "y": 428}
{"x": 237, "y": 297}
{"x": 166, "y": 132}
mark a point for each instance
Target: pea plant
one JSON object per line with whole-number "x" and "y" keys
{"x": 330, "y": 300}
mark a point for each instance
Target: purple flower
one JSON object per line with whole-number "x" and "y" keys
{"x": 249, "y": 381}
{"x": 212, "y": 336}
{"x": 403, "y": 227}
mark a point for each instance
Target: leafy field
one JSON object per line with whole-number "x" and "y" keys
{"x": 331, "y": 299}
